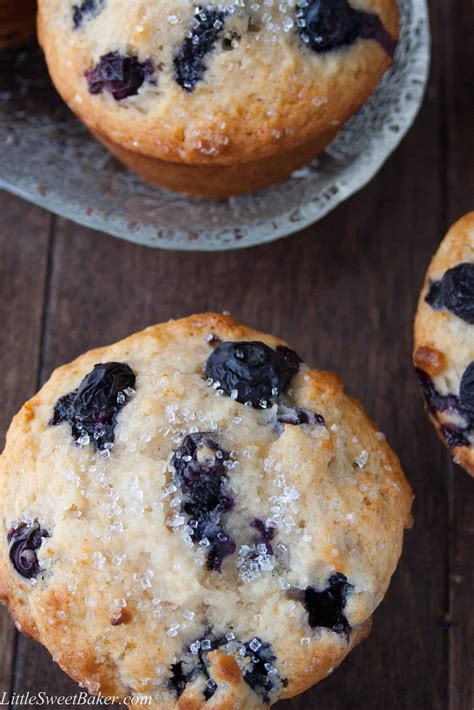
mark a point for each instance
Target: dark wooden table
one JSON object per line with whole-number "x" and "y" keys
{"x": 343, "y": 292}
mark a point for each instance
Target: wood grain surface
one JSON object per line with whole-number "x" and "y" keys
{"x": 343, "y": 293}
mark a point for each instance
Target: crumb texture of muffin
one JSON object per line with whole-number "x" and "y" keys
{"x": 252, "y": 89}
{"x": 17, "y": 22}
{"x": 444, "y": 341}
{"x": 195, "y": 515}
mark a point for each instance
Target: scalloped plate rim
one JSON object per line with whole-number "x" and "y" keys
{"x": 180, "y": 240}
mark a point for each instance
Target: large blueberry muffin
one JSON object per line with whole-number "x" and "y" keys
{"x": 213, "y": 98}
{"x": 17, "y": 22}
{"x": 444, "y": 341}
{"x": 195, "y": 515}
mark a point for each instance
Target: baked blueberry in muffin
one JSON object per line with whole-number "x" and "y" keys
{"x": 86, "y": 10}
{"x": 200, "y": 474}
{"x": 208, "y": 23}
{"x": 444, "y": 341}
{"x": 454, "y": 292}
{"x": 195, "y": 96}
{"x": 231, "y": 546}
{"x": 122, "y": 76}
{"x": 92, "y": 409}
{"x": 254, "y": 662}
{"x": 24, "y": 541}
{"x": 328, "y": 24}
{"x": 251, "y": 372}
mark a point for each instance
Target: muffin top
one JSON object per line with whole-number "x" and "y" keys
{"x": 195, "y": 515}
{"x": 444, "y": 341}
{"x": 216, "y": 82}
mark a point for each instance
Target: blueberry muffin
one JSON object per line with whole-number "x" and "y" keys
{"x": 444, "y": 341}
{"x": 194, "y": 515}
{"x": 216, "y": 99}
{"x": 17, "y": 22}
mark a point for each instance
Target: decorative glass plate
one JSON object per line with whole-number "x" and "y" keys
{"x": 49, "y": 158}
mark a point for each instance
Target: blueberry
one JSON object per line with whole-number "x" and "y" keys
{"x": 371, "y": 27}
{"x": 24, "y": 540}
{"x": 298, "y": 415}
{"x": 190, "y": 668}
{"x": 222, "y": 546}
{"x": 211, "y": 687}
{"x": 179, "y": 679}
{"x": 458, "y": 291}
{"x": 462, "y": 406}
{"x": 326, "y": 608}
{"x": 92, "y": 409}
{"x": 87, "y": 9}
{"x": 260, "y": 673}
{"x": 455, "y": 292}
{"x": 455, "y": 436}
{"x": 435, "y": 401}
{"x": 206, "y": 27}
{"x": 434, "y": 296}
{"x": 287, "y": 362}
{"x": 121, "y": 76}
{"x": 466, "y": 390}
{"x": 264, "y": 534}
{"x": 202, "y": 476}
{"x": 251, "y": 371}
{"x": 255, "y": 558}
{"x": 327, "y": 24}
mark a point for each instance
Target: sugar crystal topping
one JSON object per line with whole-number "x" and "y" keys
{"x": 212, "y": 480}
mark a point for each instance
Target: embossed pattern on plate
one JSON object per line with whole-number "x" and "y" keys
{"x": 49, "y": 158}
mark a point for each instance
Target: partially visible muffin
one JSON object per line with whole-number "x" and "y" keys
{"x": 195, "y": 515}
{"x": 17, "y": 22}
{"x": 444, "y": 341}
{"x": 217, "y": 98}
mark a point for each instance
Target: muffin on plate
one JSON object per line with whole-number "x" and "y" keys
{"x": 195, "y": 515}
{"x": 217, "y": 99}
{"x": 17, "y": 22}
{"x": 444, "y": 341}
